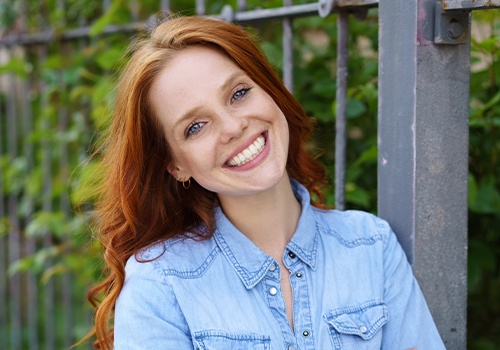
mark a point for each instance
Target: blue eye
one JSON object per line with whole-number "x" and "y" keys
{"x": 193, "y": 128}
{"x": 239, "y": 94}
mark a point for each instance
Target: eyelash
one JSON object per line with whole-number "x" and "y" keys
{"x": 195, "y": 127}
{"x": 241, "y": 92}
{"x": 190, "y": 132}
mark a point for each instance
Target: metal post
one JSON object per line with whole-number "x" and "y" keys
{"x": 30, "y": 243}
{"x": 46, "y": 158}
{"x": 165, "y": 5}
{"x": 3, "y": 240}
{"x": 341, "y": 108}
{"x": 14, "y": 238}
{"x": 423, "y": 150}
{"x": 200, "y": 7}
{"x": 241, "y": 5}
{"x": 288, "y": 49}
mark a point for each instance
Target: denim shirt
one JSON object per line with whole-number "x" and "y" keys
{"x": 351, "y": 282}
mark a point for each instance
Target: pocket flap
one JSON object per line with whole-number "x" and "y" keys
{"x": 364, "y": 320}
{"x": 213, "y": 339}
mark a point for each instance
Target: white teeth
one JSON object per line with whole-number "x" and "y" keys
{"x": 249, "y": 153}
{"x": 253, "y": 149}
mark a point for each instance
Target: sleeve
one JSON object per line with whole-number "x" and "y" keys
{"x": 147, "y": 315}
{"x": 410, "y": 324}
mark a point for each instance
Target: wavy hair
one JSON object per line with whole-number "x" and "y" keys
{"x": 141, "y": 203}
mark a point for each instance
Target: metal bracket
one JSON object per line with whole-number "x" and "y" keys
{"x": 452, "y": 19}
{"x": 451, "y": 27}
{"x": 325, "y": 7}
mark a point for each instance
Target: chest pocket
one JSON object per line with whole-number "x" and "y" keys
{"x": 357, "y": 327}
{"x": 220, "y": 340}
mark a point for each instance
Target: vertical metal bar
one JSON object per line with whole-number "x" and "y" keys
{"x": 288, "y": 49}
{"x": 423, "y": 150}
{"x": 49, "y": 296}
{"x": 14, "y": 240}
{"x": 341, "y": 108}
{"x": 165, "y": 5}
{"x": 63, "y": 120}
{"x": 242, "y": 5}
{"x": 29, "y": 243}
{"x": 65, "y": 208}
{"x": 200, "y": 7}
{"x": 3, "y": 240}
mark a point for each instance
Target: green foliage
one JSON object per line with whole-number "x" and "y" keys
{"x": 484, "y": 185}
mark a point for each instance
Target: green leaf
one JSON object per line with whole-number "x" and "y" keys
{"x": 57, "y": 269}
{"x": 109, "y": 59}
{"x": 35, "y": 262}
{"x": 45, "y": 222}
{"x": 16, "y": 66}
{"x": 117, "y": 13}
{"x": 273, "y": 52}
{"x": 355, "y": 108}
{"x": 472, "y": 190}
{"x": 481, "y": 258}
{"x": 356, "y": 195}
{"x": 86, "y": 185}
{"x": 487, "y": 198}
{"x": 4, "y": 227}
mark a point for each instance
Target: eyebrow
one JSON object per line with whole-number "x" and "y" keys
{"x": 229, "y": 81}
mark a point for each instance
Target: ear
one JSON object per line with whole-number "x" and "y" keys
{"x": 177, "y": 172}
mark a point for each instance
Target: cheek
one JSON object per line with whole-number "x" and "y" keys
{"x": 197, "y": 159}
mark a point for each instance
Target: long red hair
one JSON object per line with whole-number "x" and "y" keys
{"x": 140, "y": 201}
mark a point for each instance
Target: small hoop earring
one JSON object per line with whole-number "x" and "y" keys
{"x": 186, "y": 184}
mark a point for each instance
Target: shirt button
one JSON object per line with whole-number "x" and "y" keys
{"x": 305, "y": 334}
{"x": 299, "y": 275}
{"x": 273, "y": 291}
{"x": 291, "y": 255}
{"x": 272, "y": 267}
{"x": 292, "y": 347}
{"x": 363, "y": 329}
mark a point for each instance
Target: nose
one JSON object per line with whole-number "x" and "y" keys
{"x": 231, "y": 124}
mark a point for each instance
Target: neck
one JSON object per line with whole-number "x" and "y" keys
{"x": 269, "y": 219}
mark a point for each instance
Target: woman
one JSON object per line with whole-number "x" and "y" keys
{"x": 211, "y": 215}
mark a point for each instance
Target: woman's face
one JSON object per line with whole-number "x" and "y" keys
{"x": 222, "y": 128}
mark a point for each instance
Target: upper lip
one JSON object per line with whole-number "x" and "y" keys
{"x": 245, "y": 145}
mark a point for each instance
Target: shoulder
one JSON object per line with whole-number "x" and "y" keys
{"x": 182, "y": 257}
{"x": 352, "y": 227}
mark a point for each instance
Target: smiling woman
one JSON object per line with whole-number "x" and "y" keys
{"x": 212, "y": 218}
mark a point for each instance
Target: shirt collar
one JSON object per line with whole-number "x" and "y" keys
{"x": 249, "y": 261}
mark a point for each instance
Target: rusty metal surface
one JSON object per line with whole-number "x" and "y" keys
{"x": 450, "y": 5}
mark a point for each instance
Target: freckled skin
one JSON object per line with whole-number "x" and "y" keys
{"x": 225, "y": 111}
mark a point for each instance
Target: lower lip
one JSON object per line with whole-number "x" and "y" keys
{"x": 256, "y": 161}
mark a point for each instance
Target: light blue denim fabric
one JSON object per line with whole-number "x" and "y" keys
{"x": 352, "y": 289}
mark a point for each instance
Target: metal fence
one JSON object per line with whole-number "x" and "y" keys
{"x": 423, "y": 144}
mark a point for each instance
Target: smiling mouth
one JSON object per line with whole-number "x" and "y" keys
{"x": 249, "y": 153}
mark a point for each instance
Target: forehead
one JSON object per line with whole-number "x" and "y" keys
{"x": 193, "y": 75}
{"x": 190, "y": 65}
